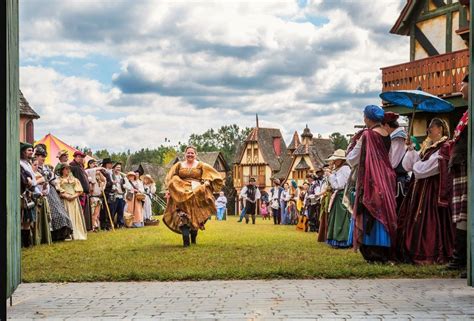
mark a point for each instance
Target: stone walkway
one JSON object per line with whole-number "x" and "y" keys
{"x": 247, "y": 300}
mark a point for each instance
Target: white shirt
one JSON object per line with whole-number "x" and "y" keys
{"x": 397, "y": 147}
{"x": 338, "y": 180}
{"x": 243, "y": 193}
{"x": 421, "y": 169}
{"x": 353, "y": 157}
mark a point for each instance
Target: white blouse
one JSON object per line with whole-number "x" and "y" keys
{"x": 338, "y": 180}
{"x": 421, "y": 169}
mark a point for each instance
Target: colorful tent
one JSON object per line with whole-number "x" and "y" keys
{"x": 53, "y": 146}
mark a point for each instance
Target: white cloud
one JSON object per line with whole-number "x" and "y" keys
{"x": 189, "y": 67}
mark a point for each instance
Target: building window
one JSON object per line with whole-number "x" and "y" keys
{"x": 30, "y": 132}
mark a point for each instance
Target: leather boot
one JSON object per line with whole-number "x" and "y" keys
{"x": 459, "y": 260}
{"x": 185, "y": 232}
{"x": 194, "y": 234}
{"x": 253, "y": 218}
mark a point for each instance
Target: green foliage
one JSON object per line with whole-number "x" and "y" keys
{"x": 225, "y": 250}
{"x": 340, "y": 141}
{"x": 226, "y": 139}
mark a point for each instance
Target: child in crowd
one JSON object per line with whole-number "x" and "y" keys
{"x": 264, "y": 211}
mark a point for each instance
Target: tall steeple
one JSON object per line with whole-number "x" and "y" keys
{"x": 256, "y": 118}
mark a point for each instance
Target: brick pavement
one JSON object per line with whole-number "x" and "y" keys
{"x": 247, "y": 300}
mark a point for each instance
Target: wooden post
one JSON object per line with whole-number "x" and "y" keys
{"x": 470, "y": 155}
{"x": 10, "y": 252}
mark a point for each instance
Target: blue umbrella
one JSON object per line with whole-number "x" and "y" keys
{"x": 417, "y": 100}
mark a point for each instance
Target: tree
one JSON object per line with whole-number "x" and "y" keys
{"x": 226, "y": 140}
{"x": 339, "y": 141}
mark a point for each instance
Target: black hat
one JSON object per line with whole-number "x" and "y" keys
{"x": 466, "y": 78}
{"x": 90, "y": 162}
{"x": 40, "y": 150}
{"x": 106, "y": 161}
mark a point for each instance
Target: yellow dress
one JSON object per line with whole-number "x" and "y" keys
{"x": 71, "y": 185}
{"x": 198, "y": 202}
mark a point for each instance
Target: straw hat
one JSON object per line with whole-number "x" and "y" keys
{"x": 131, "y": 174}
{"x": 338, "y": 154}
{"x": 148, "y": 178}
{"x": 62, "y": 152}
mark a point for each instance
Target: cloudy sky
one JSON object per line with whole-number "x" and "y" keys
{"x": 128, "y": 74}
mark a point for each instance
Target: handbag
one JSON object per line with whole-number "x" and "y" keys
{"x": 140, "y": 197}
{"x": 129, "y": 196}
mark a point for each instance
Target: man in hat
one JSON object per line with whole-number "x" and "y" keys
{"x": 29, "y": 190}
{"x": 118, "y": 179}
{"x": 251, "y": 194}
{"x": 458, "y": 168}
{"x": 109, "y": 192}
{"x": 398, "y": 149}
{"x": 79, "y": 172}
{"x": 63, "y": 157}
{"x": 313, "y": 198}
{"x": 374, "y": 212}
{"x": 275, "y": 201}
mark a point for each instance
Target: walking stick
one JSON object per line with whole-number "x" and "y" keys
{"x": 108, "y": 211}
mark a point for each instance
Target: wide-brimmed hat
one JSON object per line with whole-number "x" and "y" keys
{"x": 276, "y": 181}
{"x": 147, "y": 176}
{"x": 338, "y": 154}
{"x": 62, "y": 152}
{"x": 62, "y": 166}
{"x": 106, "y": 161}
{"x": 131, "y": 174}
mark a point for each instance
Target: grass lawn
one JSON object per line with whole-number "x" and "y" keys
{"x": 226, "y": 250}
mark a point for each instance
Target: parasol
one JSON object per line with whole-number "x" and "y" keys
{"x": 417, "y": 100}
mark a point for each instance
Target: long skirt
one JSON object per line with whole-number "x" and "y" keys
{"x": 338, "y": 223}
{"x": 147, "y": 211}
{"x": 42, "y": 231}
{"x": 323, "y": 218}
{"x": 61, "y": 224}
{"x": 425, "y": 229}
{"x": 74, "y": 210}
{"x": 135, "y": 208}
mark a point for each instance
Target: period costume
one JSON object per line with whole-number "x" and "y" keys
{"x": 339, "y": 217}
{"x": 79, "y": 172}
{"x": 71, "y": 185}
{"x": 191, "y": 200}
{"x": 275, "y": 204}
{"x": 458, "y": 169}
{"x": 313, "y": 202}
{"x": 96, "y": 200}
{"x": 374, "y": 212}
{"x": 42, "y": 229}
{"x": 426, "y": 233}
{"x": 134, "y": 197}
{"x": 150, "y": 190}
{"x": 29, "y": 194}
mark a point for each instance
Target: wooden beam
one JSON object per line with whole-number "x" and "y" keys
{"x": 3, "y": 169}
{"x": 412, "y": 42}
{"x": 438, "y": 12}
{"x": 425, "y": 43}
{"x": 449, "y": 32}
{"x": 470, "y": 161}
{"x": 439, "y": 3}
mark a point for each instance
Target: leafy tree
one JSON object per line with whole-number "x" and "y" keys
{"x": 340, "y": 141}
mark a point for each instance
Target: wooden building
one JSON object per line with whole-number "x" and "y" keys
{"x": 307, "y": 155}
{"x": 27, "y": 116}
{"x": 262, "y": 155}
{"x": 438, "y": 57}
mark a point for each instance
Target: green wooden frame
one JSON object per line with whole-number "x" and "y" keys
{"x": 470, "y": 169}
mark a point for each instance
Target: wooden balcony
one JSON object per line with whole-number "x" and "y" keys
{"x": 260, "y": 179}
{"x": 439, "y": 75}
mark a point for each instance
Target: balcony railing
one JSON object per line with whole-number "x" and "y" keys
{"x": 439, "y": 75}
{"x": 259, "y": 178}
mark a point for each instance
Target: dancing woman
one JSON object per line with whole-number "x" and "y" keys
{"x": 190, "y": 186}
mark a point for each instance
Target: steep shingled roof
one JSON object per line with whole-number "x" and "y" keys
{"x": 295, "y": 141}
{"x": 264, "y": 138}
{"x": 319, "y": 150}
{"x": 25, "y": 108}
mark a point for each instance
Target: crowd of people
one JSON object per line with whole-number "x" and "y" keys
{"x": 386, "y": 196}
{"x": 68, "y": 201}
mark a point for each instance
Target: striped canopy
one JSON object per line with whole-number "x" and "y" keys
{"x": 53, "y": 146}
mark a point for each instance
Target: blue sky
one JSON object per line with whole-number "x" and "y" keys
{"x": 126, "y": 74}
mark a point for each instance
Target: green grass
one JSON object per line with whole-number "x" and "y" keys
{"x": 226, "y": 250}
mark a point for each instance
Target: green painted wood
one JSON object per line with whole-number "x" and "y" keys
{"x": 463, "y": 22}
{"x": 449, "y": 32}
{"x": 439, "y": 12}
{"x": 13, "y": 151}
{"x": 470, "y": 168}
{"x": 439, "y": 3}
{"x": 425, "y": 42}
{"x": 412, "y": 42}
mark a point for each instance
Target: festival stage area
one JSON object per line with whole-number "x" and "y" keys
{"x": 226, "y": 250}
